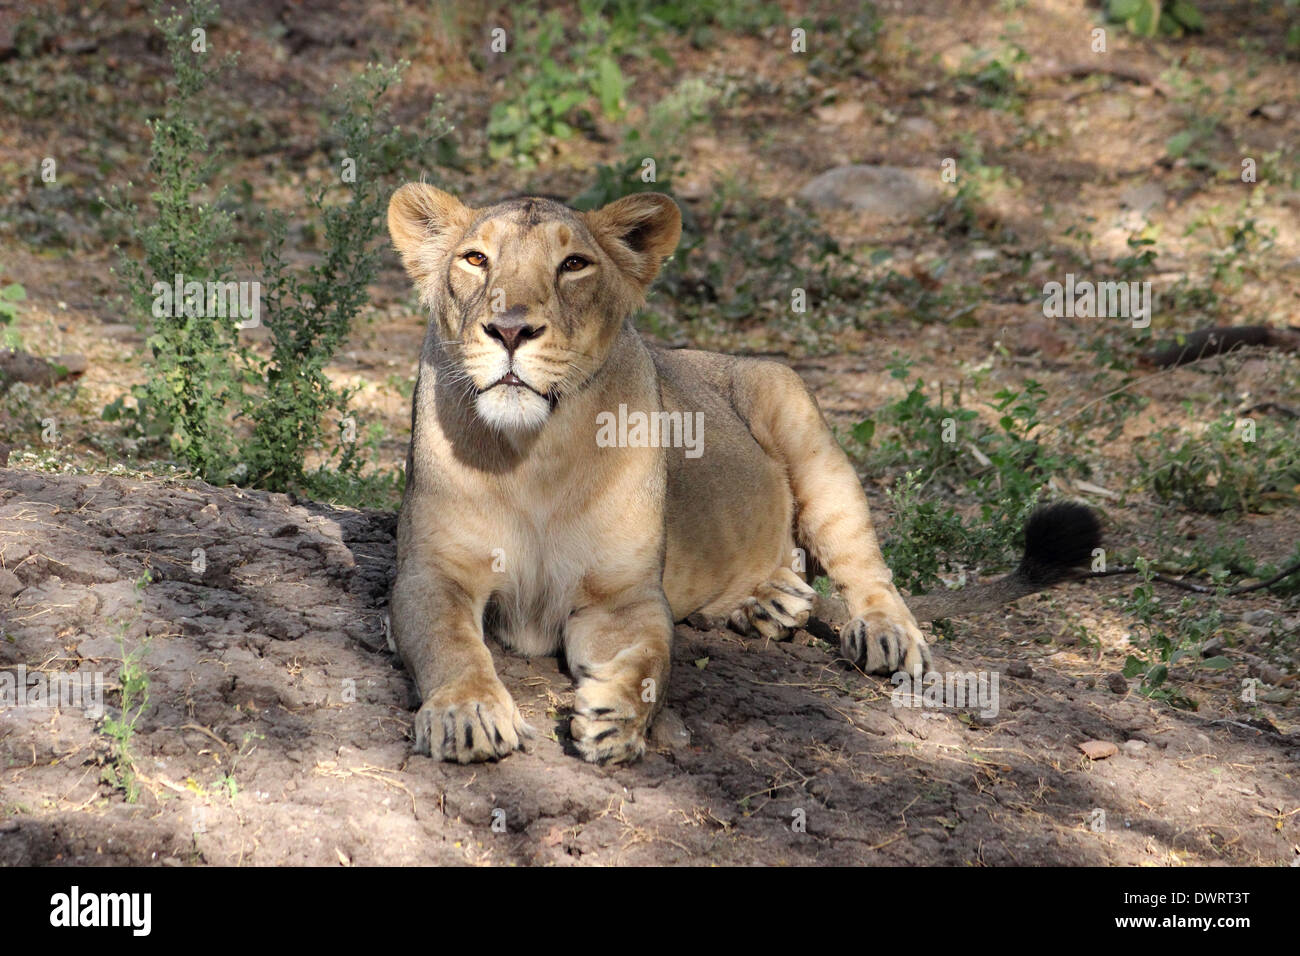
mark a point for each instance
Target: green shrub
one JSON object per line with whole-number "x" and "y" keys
{"x": 1238, "y": 466}
{"x": 1149, "y": 17}
{"x": 951, "y": 456}
{"x": 193, "y": 383}
{"x": 554, "y": 81}
{"x": 203, "y": 382}
{"x": 311, "y": 316}
{"x": 1162, "y": 638}
{"x": 10, "y": 295}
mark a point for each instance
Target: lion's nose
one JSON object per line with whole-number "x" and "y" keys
{"x": 510, "y": 332}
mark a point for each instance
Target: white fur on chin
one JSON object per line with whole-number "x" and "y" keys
{"x": 513, "y": 408}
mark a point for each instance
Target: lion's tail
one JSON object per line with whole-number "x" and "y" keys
{"x": 1059, "y": 540}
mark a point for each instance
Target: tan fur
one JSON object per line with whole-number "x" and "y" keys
{"x": 515, "y": 514}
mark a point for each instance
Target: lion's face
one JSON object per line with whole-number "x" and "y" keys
{"x": 528, "y": 295}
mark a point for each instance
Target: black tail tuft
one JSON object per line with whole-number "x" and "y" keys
{"x": 1058, "y": 538}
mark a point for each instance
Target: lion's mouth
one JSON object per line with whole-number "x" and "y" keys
{"x": 511, "y": 380}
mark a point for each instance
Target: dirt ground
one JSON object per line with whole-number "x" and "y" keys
{"x": 278, "y": 725}
{"x": 270, "y": 667}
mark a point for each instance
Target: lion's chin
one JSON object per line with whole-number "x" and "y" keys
{"x": 513, "y": 408}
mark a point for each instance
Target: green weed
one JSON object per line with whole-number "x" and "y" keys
{"x": 133, "y": 680}
{"x": 1163, "y": 638}
{"x": 1233, "y": 465}
{"x": 204, "y": 382}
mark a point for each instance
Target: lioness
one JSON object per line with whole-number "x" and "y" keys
{"x": 521, "y": 514}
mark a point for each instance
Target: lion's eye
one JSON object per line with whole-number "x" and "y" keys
{"x": 574, "y": 264}
{"x": 475, "y": 258}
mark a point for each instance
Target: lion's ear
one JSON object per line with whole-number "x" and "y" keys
{"x": 638, "y": 232}
{"x": 421, "y": 220}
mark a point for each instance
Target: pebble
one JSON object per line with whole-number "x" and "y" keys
{"x": 669, "y": 731}
{"x": 886, "y": 191}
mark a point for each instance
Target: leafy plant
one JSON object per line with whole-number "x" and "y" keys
{"x": 551, "y": 93}
{"x": 1163, "y": 639}
{"x": 1141, "y": 260}
{"x": 10, "y": 295}
{"x": 204, "y": 381}
{"x": 1232, "y": 465}
{"x": 856, "y": 38}
{"x": 192, "y": 383}
{"x": 927, "y": 537}
{"x": 993, "y": 75}
{"x": 1148, "y": 17}
{"x": 1000, "y": 470}
{"x": 1289, "y": 585}
{"x": 133, "y": 680}
{"x": 312, "y": 316}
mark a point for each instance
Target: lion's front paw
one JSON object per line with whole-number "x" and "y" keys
{"x": 469, "y": 721}
{"x": 610, "y": 718}
{"x": 882, "y": 642}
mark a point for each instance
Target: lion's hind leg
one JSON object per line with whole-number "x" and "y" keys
{"x": 776, "y": 608}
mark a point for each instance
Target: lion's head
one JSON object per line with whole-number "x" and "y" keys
{"x": 528, "y": 295}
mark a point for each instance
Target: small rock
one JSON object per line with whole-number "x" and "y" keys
{"x": 74, "y": 364}
{"x": 1275, "y": 112}
{"x": 669, "y": 731}
{"x": 9, "y": 584}
{"x": 1038, "y": 338}
{"x": 1118, "y": 683}
{"x": 890, "y": 192}
{"x": 1258, "y": 616}
{"x": 1143, "y": 197}
{"x": 19, "y": 366}
{"x": 842, "y": 114}
{"x": 1266, "y": 672}
{"x": 1098, "y": 749}
{"x": 919, "y": 126}
{"x": 1212, "y": 647}
{"x": 87, "y": 568}
{"x": 1020, "y": 669}
{"x": 1134, "y": 747}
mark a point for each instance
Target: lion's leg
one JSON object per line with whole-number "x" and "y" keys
{"x": 619, "y": 652}
{"x": 834, "y": 522}
{"x": 467, "y": 714}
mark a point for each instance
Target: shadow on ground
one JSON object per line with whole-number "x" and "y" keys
{"x": 278, "y": 728}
